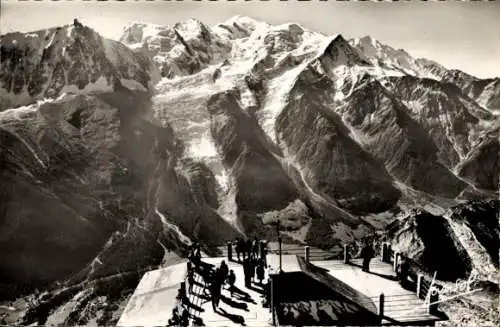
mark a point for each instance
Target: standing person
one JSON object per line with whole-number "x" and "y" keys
{"x": 249, "y": 247}
{"x": 260, "y": 271}
{"x": 191, "y": 252}
{"x": 246, "y": 271}
{"x": 224, "y": 270}
{"x": 367, "y": 253}
{"x": 255, "y": 247}
{"x": 263, "y": 250}
{"x": 215, "y": 290}
{"x": 181, "y": 295}
{"x": 243, "y": 247}
{"x": 185, "y": 318}
{"x": 175, "y": 320}
{"x": 231, "y": 279}
{"x": 253, "y": 266}
{"x": 190, "y": 278}
{"x": 197, "y": 251}
{"x": 238, "y": 248}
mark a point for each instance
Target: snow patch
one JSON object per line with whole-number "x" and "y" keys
{"x": 100, "y": 86}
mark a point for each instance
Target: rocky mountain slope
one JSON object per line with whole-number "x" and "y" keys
{"x": 114, "y": 156}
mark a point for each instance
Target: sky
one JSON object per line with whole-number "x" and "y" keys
{"x": 457, "y": 34}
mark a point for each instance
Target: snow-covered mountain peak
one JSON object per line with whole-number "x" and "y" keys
{"x": 137, "y": 32}
{"x": 244, "y": 21}
{"x": 67, "y": 59}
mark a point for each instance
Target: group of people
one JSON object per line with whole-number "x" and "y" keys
{"x": 215, "y": 279}
{"x": 367, "y": 253}
{"x": 218, "y": 278}
{"x": 253, "y": 269}
{"x": 180, "y": 313}
{"x": 180, "y": 319}
{"x": 247, "y": 248}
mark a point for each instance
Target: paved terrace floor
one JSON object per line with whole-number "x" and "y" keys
{"x": 154, "y": 298}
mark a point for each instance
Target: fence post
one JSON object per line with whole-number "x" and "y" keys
{"x": 271, "y": 296}
{"x": 381, "y": 306}
{"x": 420, "y": 279}
{"x": 346, "y": 254}
{"x": 229, "y": 251}
{"x": 433, "y": 299}
{"x": 383, "y": 252}
{"x": 396, "y": 259}
{"x": 307, "y": 254}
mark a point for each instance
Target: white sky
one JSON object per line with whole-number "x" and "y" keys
{"x": 457, "y": 34}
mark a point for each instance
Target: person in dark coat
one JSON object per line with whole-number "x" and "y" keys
{"x": 223, "y": 270}
{"x": 255, "y": 248}
{"x": 367, "y": 253}
{"x": 238, "y": 248}
{"x": 253, "y": 267}
{"x": 191, "y": 252}
{"x": 197, "y": 253}
{"x": 190, "y": 278}
{"x": 215, "y": 291}
{"x": 260, "y": 271}
{"x": 249, "y": 247}
{"x": 185, "y": 318}
{"x": 231, "y": 279}
{"x": 175, "y": 320}
{"x": 181, "y": 295}
{"x": 246, "y": 271}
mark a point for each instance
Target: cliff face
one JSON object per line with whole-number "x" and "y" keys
{"x": 467, "y": 235}
{"x": 427, "y": 239}
{"x": 85, "y": 166}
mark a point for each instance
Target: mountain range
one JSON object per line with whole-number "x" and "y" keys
{"x": 116, "y": 155}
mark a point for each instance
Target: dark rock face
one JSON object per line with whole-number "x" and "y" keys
{"x": 485, "y": 91}
{"x": 482, "y": 218}
{"x": 408, "y": 151}
{"x": 332, "y": 162}
{"x": 481, "y": 167}
{"x": 90, "y": 169}
{"x": 261, "y": 183}
{"x": 427, "y": 239}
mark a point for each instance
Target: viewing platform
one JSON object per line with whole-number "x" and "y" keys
{"x": 335, "y": 291}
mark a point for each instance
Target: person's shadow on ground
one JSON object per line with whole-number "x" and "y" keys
{"x": 256, "y": 289}
{"x": 233, "y": 303}
{"x": 240, "y": 294}
{"x": 231, "y": 316}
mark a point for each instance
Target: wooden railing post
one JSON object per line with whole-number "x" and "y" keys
{"x": 388, "y": 252}
{"x": 307, "y": 253}
{"x": 420, "y": 279}
{"x": 433, "y": 299}
{"x": 229, "y": 251}
{"x": 381, "y": 306}
{"x": 271, "y": 297}
{"x": 346, "y": 254}
{"x": 396, "y": 259}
